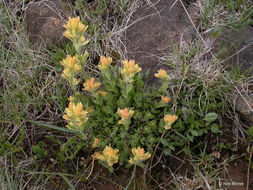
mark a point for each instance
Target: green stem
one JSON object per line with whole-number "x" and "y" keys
{"x": 85, "y": 76}
{"x": 73, "y": 86}
{"x": 82, "y": 135}
{"x": 132, "y": 177}
{"x": 164, "y": 87}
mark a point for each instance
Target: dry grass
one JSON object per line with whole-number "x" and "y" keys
{"x": 30, "y": 82}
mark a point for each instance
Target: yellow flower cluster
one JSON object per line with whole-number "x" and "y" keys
{"x": 169, "y": 120}
{"x": 71, "y": 69}
{"x": 125, "y": 115}
{"x": 165, "y": 99}
{"x": 162, "y": 74}
{"x": 139, "y": 155}
{"x": 76, "y": 116}
{"x": 104, "y": 63}
{"x": 75, "y": 31}
{"x": 130, "y": 69}
{"x": 110, "y": 155}
{"x": 91, "y": 85}
{"x": 95, "y": 143}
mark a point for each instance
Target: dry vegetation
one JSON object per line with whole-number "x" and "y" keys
{"x": 33, "y": 97}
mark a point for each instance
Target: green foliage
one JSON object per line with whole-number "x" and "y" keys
{"x": 5, "y": 145}
{"x": 9, "y": 147}
{"x": 69, "y": 150}
{"x": 227, "y": 146}
{"x": 147, "y": 123}
{"x": 250, "y": 133}
{"x": 205, "y": 164}
{"x": 39, "y": 150}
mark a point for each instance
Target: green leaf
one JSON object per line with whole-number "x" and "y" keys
{"x": 200, "y": 132}
{"x": 187, "y": 151}
{"x": 121, "y": 102}
{"x": 190, "y": 137}
{"x": 39, "y": 150}
{"x": 108, "y": 88}
{"x": 147, "y": 73}
{"x": 250, "y": 131}
{"x": 138, "y": 99}
{"x": 108, "y": 109}
{"x": 172, "y": 147}
{"x": 189, "y": 119}
{"x": 211, "y": 117}
{"x": 164, "y": 142}
{"x": 68, "y": 182}
{"x": 66, "y": 145}
{"x": 111, "y": 120}
{"x": 194, "y": 132}
{"x": 195, "y": 124}
{"x": 215, "y": 128}
{"x": 167, "y": 152}
{"x": 140, "y": 164}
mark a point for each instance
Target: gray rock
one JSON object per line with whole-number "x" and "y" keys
{"x": 161, "y": 27}
{"x": 244, "y": 105}
{"x": 235, "y": 47}
{"x": 44, "y": 23}
{"x": 233, "y": 41}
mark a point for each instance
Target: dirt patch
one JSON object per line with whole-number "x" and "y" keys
{"x": 236, "y": 176}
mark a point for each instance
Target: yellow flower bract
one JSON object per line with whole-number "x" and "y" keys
{"x": 165, "y": 99}
{"x": 129, "y": 70}
{"x": 71, "y": 67}
{"x": 169, "y": 120}
{"x": 75, "y": 30}
{"x": 71, "y": 63}
{"x": 162, "y": 74}
{"x": 91, "y": 85}
{"x": 105, "y": 63}
{"x": 139, "y": 155}
{"x": 76, "y": 116}
{"x": 110, "y": 155}
{"x": 125, "y": 114}
{"x": 95, "y": 143}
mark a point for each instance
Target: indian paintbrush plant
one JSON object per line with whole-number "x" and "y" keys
{"x": 115, "y": 114}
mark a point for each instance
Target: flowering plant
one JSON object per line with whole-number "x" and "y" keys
{"x": 114, "y": 113}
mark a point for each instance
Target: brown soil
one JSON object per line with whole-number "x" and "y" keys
{"x": 236, "y": 176}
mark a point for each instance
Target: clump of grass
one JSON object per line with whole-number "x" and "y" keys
{"x": 236, "y": 14}
{"x": 9, "y": 181}
{"x": 28, "y": 89}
